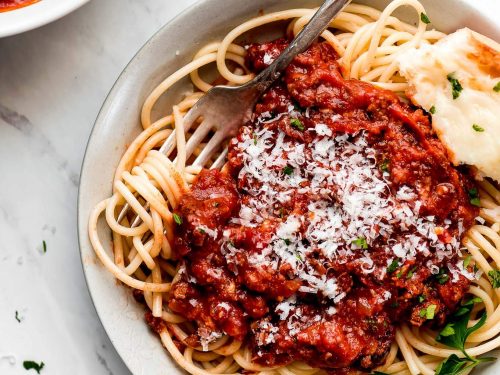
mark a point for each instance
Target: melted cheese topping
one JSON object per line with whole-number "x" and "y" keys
{"x": 468, "y": 125}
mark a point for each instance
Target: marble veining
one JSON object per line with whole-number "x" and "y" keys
{"x": 53, "y": 81}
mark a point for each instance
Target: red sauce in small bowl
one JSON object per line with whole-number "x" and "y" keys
{"x": 6, "y": 5}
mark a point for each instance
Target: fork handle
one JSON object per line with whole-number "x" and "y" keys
{"x": 318, "y": 23}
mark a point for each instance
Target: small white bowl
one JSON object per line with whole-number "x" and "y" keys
{"x": 35, "y": 15}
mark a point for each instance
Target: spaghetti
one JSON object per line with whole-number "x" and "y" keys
{"x": 367, "y": 42}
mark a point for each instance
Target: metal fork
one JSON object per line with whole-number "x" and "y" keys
{"x": 225, "y": 108}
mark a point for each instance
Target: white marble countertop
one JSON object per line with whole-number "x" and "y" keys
{"x": 53, "y": 81}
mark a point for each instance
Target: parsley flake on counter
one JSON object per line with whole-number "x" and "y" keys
{"x": 456, "y": 87}
{"x": 477, "y": 128}
{"x": 494, "y": 276}
{"x": 177, "y": 219}
{"x": 44, "y": 246}
{"x": 31, "y": 365}
{"x": 18, "y": 318}
{"x": 425, "y": 19}
{"x": 296, "y": 123}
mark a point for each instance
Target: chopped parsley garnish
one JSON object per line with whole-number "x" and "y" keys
{"x": 442, "y": 279}
{"x": 296, "y": 123}
{"x": 177, "y": 219}
{"x": 17, "y": 317}
{"x": 44, "y": 246}
{"x": 474, "y": 197}
{"x": 428, "y": 312}
{"x": 467, "y": 261}
{"x": 393, "y": 266}
{"x": 477, "y": 128}
{"x": 456, "y": 87}
{"x": 421, "y": 298}
{"x": 288, "y": 170}
{"x": 255, "y": 139}
{"x": 384, "y": 167}
{"x": 454, "y": 335}
{"x": 497, "y": 87}
{"x": 361, "y": 242}
{"x": 31, "y": 365}
{"x": 494, "y": 276}
{"x": 425, "y": 19}
{"x": 201, "y": 230}
{"x": 399, "y": 274}
{"x": 297, "y": 255}
{"x": 432, "y": 110}
{"x": 411, "y": 272}
{"x": 287, "y": 241}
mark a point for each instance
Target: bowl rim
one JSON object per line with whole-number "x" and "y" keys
{"x": 35, "y": 15}
{"x": 82, "y": 217}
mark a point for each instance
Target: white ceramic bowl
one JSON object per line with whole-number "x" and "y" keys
{"x": 36, "y": 15}
{"x": 118, "y": 123}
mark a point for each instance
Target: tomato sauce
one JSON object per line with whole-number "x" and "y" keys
{"x": 351, "y": 324}
{"x": 6, "y": 5}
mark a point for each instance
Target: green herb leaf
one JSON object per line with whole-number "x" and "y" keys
{"x": 287, "y": 241}
{"x": 201, "y": 230}
{"x": 467, "y": 261}
{"x": 494, "y": 276}
{"x": 177, "y": 219}
{"x": 477, "y": 128}
{"x": 497, "y": 87}
{"x": 421, "y": 298}
{"x": 448, "y": 330}
{"x": 296, "y": 123}
{"x": 429, "y": 312}
{"x": 456, "y": 87}
{"x": 384, "y": 167}
{"x": 474, "y": 197}
{"x": 393, "y": 266}
{"x": 361, "y": 242}
{"x": 411, "y": 272}
{"x": 44, "y": 246}
{"x": 255, "y": 139}
{"x": 31, "y": 365}
{"x": 442, "y": 277}
{"x": 425, "y": 19}
{"x": 459, "y": 323}
{"x": 432, "y": 110}
{"x": 288, "y": 170}
{"x": 17, "y": 317}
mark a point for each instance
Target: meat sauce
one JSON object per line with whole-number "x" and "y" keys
{"x": 334, "y": 309}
